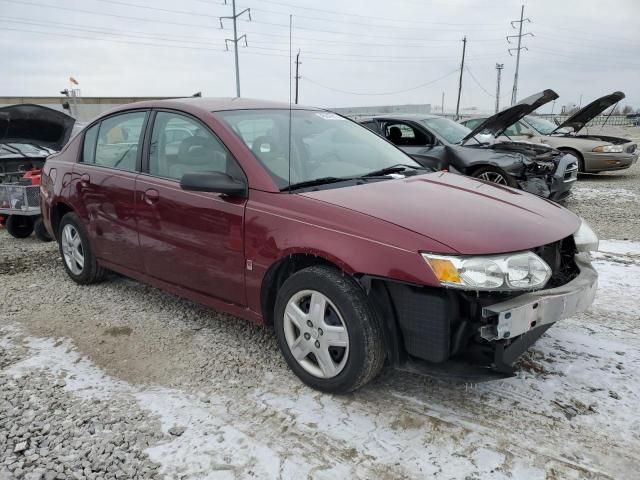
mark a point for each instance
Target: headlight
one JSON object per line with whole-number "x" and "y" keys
{"x": 513, "y": 271}
{"x": 608, "y": 149}
{"x": 585, "y": 239}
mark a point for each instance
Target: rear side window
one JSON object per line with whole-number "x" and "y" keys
{"x": 89, "y": 146}
{"x": 119, "y": 139}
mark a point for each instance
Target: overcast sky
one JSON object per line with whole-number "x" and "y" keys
{"x": 370, "y": 53}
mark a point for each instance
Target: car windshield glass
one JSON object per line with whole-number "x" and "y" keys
{"x": 323, "y": 145}
{"x": 451, "y": 131}
{"x": 543, "y": 126}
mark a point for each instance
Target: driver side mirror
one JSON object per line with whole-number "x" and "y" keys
{"x": 527, "y": 132}
{"x": 214, "y": 182}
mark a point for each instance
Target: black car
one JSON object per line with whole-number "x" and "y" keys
{"x": 441, "y": 143}
{"x": 28, "y": 135}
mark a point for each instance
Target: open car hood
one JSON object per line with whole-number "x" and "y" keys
{"x": 35, "y": 124}
{"x": 502, "y": 120}
{"x": 578, "y": 120}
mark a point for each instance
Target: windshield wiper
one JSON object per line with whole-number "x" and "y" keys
{"x": 313, "y": 183}
{"x": 392, "y": 169}
{"x": 13, "y": 149}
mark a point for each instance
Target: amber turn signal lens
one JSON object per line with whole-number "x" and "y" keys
{"x": 444, "y": 270}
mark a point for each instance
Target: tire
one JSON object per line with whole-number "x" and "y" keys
{"x": 40, "y": 231}
{"x": 349, "y": 320}
{"x": 19, "y": 226}
{"x": 489, "y": 172}
{"x": 73, "y": 234}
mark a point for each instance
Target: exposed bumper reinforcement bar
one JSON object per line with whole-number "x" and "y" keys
{"x": 529, "y": 311}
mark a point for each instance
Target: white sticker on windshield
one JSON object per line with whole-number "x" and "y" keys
{"x": 329, "y": 116}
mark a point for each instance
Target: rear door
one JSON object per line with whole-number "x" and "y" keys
{"x": 105, "y": 180}
{"x": 190, "y": 239}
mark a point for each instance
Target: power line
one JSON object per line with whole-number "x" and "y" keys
{"x": 381, "y": 93}
{"x": 103, "y": 14}
{"x": 343, "y": 14}
{"x": 475, "y": 80}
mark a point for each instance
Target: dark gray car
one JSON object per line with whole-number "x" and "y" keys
{"x": 441, "y": 143}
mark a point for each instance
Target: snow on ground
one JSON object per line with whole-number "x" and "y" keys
{"x": 570, "y": 413}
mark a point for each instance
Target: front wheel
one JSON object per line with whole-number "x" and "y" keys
{"x": 19, "y": 226}
{"x": 327, "y": 330}
{"x": 495, "y": 175}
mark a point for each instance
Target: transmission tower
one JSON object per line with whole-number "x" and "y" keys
{"x": 514, "y": 94}
{"x": 235, "y": 38}
{"x": 499, "y": 67}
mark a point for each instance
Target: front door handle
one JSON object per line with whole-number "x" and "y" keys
{"x": 85, "y": 179}
{"x": 151, "y": 196}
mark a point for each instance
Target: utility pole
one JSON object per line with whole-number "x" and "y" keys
{"x": 514, "y": 94}
{"x": 499, "y": 67}
{"x": 442, "y": 104}
{"x": 464, "y": 49}
{"x": 297, "y": 76}
{"x": 235, "y": 38}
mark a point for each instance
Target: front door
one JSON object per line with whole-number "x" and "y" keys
{"x": 190, "y": 239}
{"x": 105, "y": 180}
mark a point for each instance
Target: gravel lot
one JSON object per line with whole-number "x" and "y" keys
{"x": 120, "y": 380}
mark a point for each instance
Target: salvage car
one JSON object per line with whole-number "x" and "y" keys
{"x": 352, "y": 251}
{"x": 28, "y": 135}
{"x": 438, "y": 141}
{"x": 595, "y": 153}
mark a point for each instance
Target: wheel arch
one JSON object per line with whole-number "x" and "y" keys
{"x": 576, "y": 153}
{"x": 59, "y": 210}
{"x": 375, "y": 288}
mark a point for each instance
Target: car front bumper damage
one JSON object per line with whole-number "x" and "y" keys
{"x": 462, "y": 335}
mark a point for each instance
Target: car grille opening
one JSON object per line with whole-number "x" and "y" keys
{"x": 560, "y": 258}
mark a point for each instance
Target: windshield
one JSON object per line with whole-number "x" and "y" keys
{"x": 323, "y": 145}
{"x": 451, "y": 131}
{"x": 543, "y": 126}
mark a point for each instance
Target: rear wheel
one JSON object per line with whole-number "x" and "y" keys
{"x": 327, "y": 330}
{"x": 19, "y": 226}
{"x": 77, "y": 257}
{"x": 40, "y": 231}
{"x": 495, "y": 175}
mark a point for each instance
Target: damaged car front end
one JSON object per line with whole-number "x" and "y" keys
{"x": 441, "y": 143}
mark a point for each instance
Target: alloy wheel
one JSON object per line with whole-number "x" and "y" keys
{"x": 493, "y": 177}
{"x": 72, "y": 249}
{"x": 316, "y": 334}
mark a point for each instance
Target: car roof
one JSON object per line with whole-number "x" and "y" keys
{"x": 401, "y": 116}
{"x": 213, "y": 104}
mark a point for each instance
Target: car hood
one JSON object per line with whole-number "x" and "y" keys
{"x": 36, "y": 125}
{"x": 578, "y": 120}
{"x": 469, "y": 216}
{"x": 502, "y": 120}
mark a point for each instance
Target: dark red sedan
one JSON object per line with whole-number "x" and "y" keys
{"x": 309, "y": 222}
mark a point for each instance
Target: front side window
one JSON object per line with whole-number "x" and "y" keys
{"x": 180, "y": 144}
{"x": 322, "y": 144}
{"x": 451, "y": 131}
{"x": 119, "y": 139}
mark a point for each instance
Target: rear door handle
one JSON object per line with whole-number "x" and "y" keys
{"x": 151, "y": 196}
